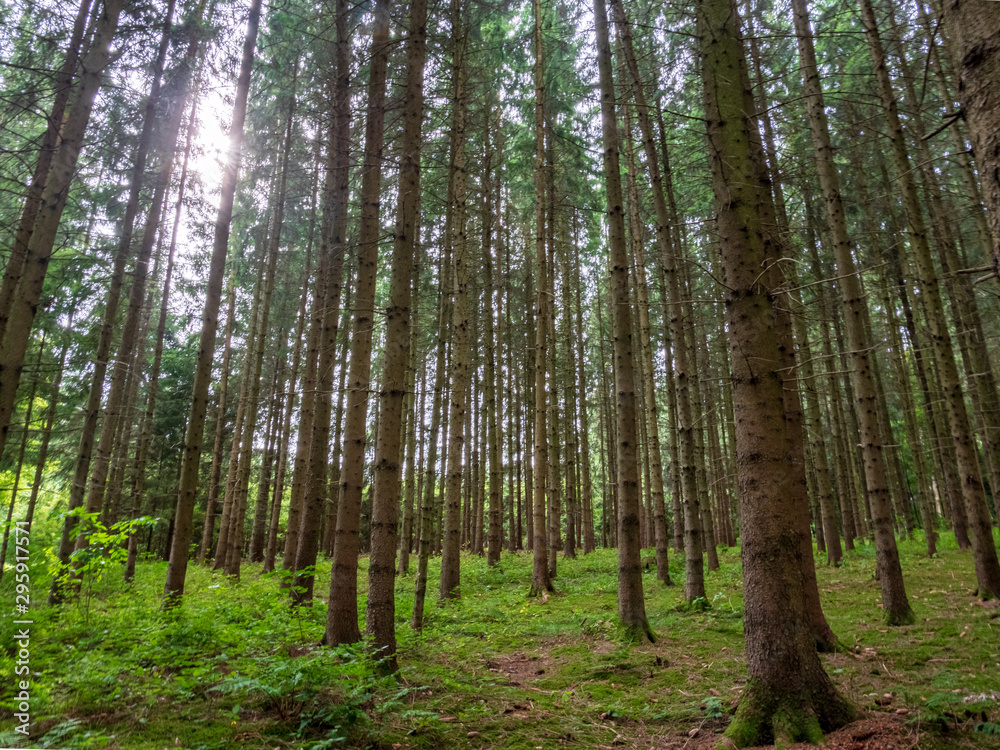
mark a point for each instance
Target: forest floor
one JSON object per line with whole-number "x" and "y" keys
{"x": 496, "y": 669}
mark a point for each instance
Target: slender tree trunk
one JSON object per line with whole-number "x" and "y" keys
{"x": 461, "y": 354}
{"x": 134, "y": 314}
{"x": 894, "y": 601}
{"x": 272, "y": 436}
{"x": 493, "y": 437}
{"x": 43, "y": 449}
{"x": 540, "y": 580}
{"x": 333, "y": 240}
{"x": 215, "y": 475}
{"x": 191, "y": 460}
{"x": 64, "y": 88}
{"x": 342, "y": 615}
{"x": 984, "y": 551}
{"x": 40, "y": 246}
{"x": 138, "y": 489}
{"x": 631, "y": 606}
{"x": 652, "y": 411}
{"x": 413, "y": 407}
{"x": 554, "y": 475}
{"x": 242, "y": 433}
{"x": 20, "y": 455}
{"x": 426, "y": 540}
{"x": 694, "y": 586}
{"x": 570, "y": 399}
{"x": 587, "y": 491}
{"x": 380, "y": 617}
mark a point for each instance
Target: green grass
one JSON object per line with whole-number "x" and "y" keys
{"x": 236, "y": 666}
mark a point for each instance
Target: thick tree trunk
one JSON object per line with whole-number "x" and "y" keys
{"x": 973, "y": 29}
{"x": 789, "y": 696}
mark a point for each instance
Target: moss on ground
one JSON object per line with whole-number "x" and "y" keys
{"x": 496, "y": 669}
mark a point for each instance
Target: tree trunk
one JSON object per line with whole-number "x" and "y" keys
{"x": 973, "y": 493}
{"x": 973, "y": 30}
{"x": 342, "y": 615}
{"x": 380, "y": 618}
{"x": 461, "y": 354}
{"x": 20, "y": 456}
{"x": 326, "y": 323}
{"x": 33, "y": 198}
{"x": 413, "y": 409}
{"x": 631, "y": 606}
{"x": 894, "y": 602}
{"x": 191, "y": 460}
{"x": 134, "y": 314}
{"x": 426, "y": 531}
{"x": 272, "y": 436}
{"x": 788, "y": 696}
{"x": 652, "y": 411}
{"x": 40, "y": 246}
{"x": 694, "y": 586}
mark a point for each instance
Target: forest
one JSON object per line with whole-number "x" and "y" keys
{"x": 500, "y": 374}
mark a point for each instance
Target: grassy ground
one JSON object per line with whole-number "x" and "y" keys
{"x": 496, "y": 669}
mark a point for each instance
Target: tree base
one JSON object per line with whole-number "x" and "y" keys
{"x": 763, "y": 718}
{"x": 898, "y": 619}
{"x": 699, "y": 604}
{"x": 831, "y": 644}
{"x": 537, "y": 590}
{"x": 636, "y": 632}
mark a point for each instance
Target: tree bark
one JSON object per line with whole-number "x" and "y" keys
{"x": 540, "y": 580}
{"x": 983, "y": 550}
{"x": 342, "y": 615}
{"x": 460, "y": 351}
{"x": 788, "y": 696}
{"x": 973, "y": 30}
{"x": 191, "y": 460}
{"x": 896, "y": 607}
{"x": 631, "y": 606}
{"x": 380, "y": 618}
{"x": 33, "y": 197}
